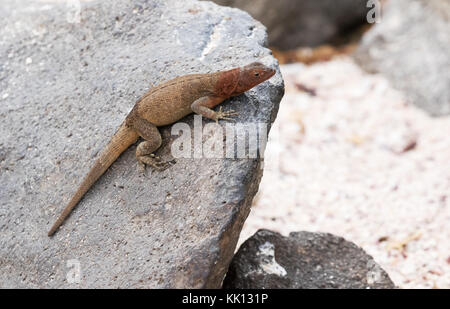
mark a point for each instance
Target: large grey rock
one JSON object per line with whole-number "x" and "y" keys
{"x": 411, "y": 46}
{"x": 65, "y": 86}
{"x": 297, "y": 23}
{"x": 304, "y": 260}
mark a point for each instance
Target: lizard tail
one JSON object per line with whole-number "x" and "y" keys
{"x": 122, "y": 139}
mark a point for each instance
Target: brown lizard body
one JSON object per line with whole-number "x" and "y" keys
{"x": 166, "y": 104}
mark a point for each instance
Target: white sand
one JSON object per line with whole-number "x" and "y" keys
{"x": 339, "y": 165}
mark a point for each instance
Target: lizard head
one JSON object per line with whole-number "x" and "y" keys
{"x": 252, "y": 75}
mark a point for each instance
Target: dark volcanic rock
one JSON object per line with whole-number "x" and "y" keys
{"x": 294, "y": 23}
{"x": 303, "y": 260}
{"x": 411, "y": 47}
{"x": 66, "y": 83}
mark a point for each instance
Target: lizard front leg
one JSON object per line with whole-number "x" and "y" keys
{"x": 153, "y": 140}
{"x": 203, "y": 107}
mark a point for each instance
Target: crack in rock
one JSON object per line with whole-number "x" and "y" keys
{"x": 214, "y": 39}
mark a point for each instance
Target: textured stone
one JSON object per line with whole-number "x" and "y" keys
{"x": 304, "y": 260}
{"x": 297, "y": 23}
{"x": 65, "y": 86}
{"x": 411, "y": 47}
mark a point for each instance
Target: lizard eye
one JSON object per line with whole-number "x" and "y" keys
{"x": 256, "y": 74}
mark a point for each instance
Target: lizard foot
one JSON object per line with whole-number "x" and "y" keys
{"x": 155, "y": 162}
{"x": 225, "y": 115}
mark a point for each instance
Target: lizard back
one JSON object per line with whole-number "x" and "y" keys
{"x": 170, "y": 101}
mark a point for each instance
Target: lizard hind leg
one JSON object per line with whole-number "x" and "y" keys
{"x": 145, "y": 150}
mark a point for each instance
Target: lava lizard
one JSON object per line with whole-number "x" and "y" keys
{"x": 165, "y": 104}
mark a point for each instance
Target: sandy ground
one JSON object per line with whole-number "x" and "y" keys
{"x": 348, "y": 155}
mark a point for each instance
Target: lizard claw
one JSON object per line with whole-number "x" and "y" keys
{"x": 225, "y": 115}
{"x": 142, "y": 167}
{"x": 161, "y": 166}
{"x": 155, "y": 162}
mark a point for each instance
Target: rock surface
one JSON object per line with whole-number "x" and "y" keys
{"x": 297, "y": 23}
{"x": 304, "y": 260}
{"x": 65, "y": 86}
{"x": 411, "y": 46}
